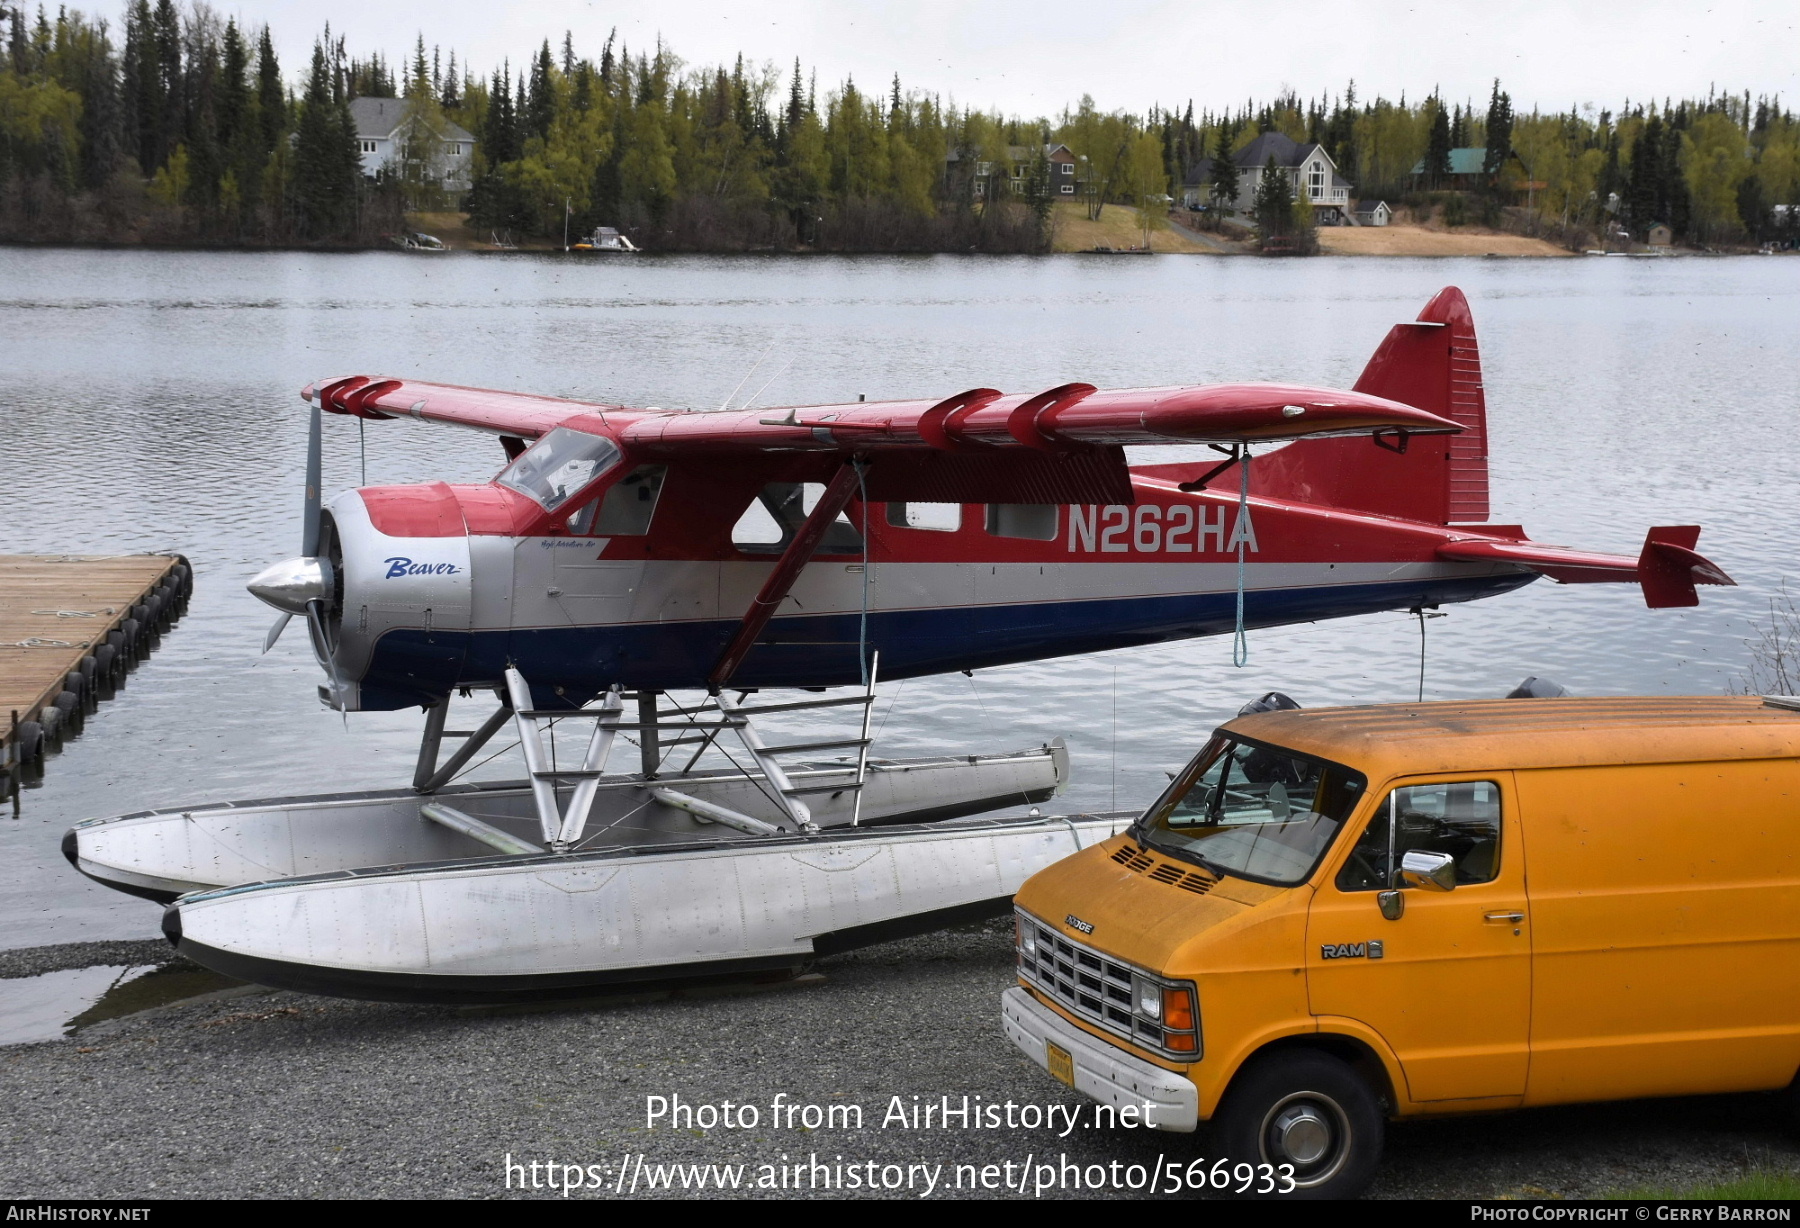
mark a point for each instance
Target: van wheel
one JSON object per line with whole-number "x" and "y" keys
{"x": 1307, "y": 1110}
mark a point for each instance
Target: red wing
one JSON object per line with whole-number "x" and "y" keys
{"x": 505, "y": 413}
{"x": 1072, "y": 416}
{"x": 1069, "y": 417}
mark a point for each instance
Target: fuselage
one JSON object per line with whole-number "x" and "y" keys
{"x": 439, "y": 587}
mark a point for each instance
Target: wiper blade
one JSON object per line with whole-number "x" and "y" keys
{"x": 1145, "y": 837}
{"x": 1217, "y": 871}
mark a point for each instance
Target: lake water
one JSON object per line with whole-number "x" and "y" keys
{"x": 148, "y": 401}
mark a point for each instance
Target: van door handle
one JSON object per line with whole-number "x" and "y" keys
{"x": 1511, "y": 918}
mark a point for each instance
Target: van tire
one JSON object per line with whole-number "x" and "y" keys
{"x": 1332, "y": 1120}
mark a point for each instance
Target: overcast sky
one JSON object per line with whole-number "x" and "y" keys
{"x": 1032, "y": 57}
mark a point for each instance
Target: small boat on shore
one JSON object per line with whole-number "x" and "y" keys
{"x": 605, "y": 240}
{"x": 417, "y": 241}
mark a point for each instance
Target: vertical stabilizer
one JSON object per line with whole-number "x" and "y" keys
{"x": 1432, "y": 364}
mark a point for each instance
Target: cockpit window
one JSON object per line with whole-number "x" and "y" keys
{"x": 1255, "y": 811}
{"x": 559, "y": 465}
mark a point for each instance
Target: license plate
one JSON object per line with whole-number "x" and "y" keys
{"x": 1062, "y": 1065}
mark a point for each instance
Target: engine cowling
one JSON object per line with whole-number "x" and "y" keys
{"x": 399, "y": 624}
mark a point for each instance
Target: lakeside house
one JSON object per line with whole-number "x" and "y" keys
{"x": 388, "y": 133}
{"x": 1467, "y": 173}
{"x": 1373, "y": 213}
{"x": 1310, "y": 172}
{"x": 989, "y": 177}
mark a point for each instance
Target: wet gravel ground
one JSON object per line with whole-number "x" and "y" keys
{"x": 282, "y": 1095}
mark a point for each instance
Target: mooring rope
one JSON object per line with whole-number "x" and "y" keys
{"x": 862, "y": 629}
{"x": 1240, "y": 645}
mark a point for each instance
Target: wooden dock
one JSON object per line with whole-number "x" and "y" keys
{"x": 71, "y": 627}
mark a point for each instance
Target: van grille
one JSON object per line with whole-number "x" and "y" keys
{"x": 1091, "y": 985}
{"x": 1167, "y": 872}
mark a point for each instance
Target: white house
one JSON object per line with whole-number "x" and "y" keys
{"x": 1373, "y": 213}
{"x": 384, "y": 134}
{"x": 1309, "y": 169}
{"x": 1058, "y": 166}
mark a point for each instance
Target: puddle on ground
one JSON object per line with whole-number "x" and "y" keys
{"x": 57, "y": 1004}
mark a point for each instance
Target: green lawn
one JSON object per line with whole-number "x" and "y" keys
{"x": 1761, "y": 1186}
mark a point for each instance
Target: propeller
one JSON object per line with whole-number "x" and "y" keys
{"x": 302, "y": 585}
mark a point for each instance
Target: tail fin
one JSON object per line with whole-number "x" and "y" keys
{"x": 1432, "y": 364}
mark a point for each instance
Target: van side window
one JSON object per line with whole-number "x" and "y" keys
{"x": 1461, "y": 819}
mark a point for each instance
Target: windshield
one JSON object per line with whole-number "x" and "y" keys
{"x": 1255, "y": 811}
{"x": 559, "y": 465}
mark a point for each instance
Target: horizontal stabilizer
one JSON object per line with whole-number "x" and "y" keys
{"x": 1668, "y": 568}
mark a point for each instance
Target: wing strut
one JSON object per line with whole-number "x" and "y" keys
{"x": 787, "y": 569}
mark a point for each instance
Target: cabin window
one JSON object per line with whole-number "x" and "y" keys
{"x": 559, "y": 465}
{"x": 1032, "y": 521}
{"x": 625, "y": 510}
{"x": 368, "y": 146}
{"x": 1316, "y": 178}
{"x": 938, "y": 517}
{"x": 776, "y": 514}
{"x": 1461, "y": 819}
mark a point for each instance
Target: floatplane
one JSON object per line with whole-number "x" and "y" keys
{"x": 623, "y": 557}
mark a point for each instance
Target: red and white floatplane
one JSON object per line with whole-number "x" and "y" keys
{"x": 623, "y": 558}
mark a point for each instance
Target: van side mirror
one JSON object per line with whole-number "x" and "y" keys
{"x": 1428, "y": 871}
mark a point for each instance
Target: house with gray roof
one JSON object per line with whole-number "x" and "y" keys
{"x": 388, "y": 132}
{"x": 1310, "y": 172}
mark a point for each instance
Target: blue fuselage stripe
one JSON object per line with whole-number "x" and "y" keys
{"x": 413, "y": 666}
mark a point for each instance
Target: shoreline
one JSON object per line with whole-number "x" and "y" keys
{"x": 1477, "y": 246}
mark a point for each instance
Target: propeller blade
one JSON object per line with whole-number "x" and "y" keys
{"x": 275, "y": 631}
{"x": 309, "y": 515}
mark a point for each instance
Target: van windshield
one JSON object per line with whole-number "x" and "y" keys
{"x": 1258, "y": 812}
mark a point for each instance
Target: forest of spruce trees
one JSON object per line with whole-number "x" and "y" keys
{"x": 177, "y": 126}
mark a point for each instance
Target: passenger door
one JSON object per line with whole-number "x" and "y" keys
{"x": 1447, "y": 984}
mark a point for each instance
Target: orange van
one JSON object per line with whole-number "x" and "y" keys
{"x": 1339, "y": 916}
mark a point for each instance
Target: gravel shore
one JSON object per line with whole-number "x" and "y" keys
{"x": 269, "y": 1094}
